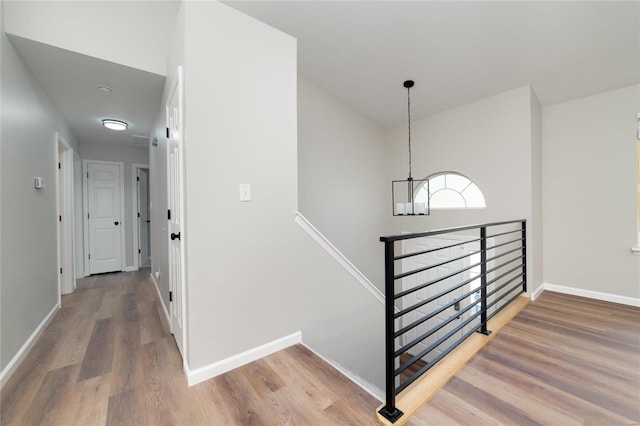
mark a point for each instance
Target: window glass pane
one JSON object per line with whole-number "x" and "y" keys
{"x": 451, "y": 191}
{"x": 447, "y": 198}
{"x": 473, "y": 196}
{"x": 436, "y": 183}
{"x": 457, "y": 182}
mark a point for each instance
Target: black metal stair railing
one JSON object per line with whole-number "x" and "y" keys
{"x": 441, "y": 287}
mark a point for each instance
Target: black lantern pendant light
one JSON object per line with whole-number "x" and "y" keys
{"x": 403, "y": 191}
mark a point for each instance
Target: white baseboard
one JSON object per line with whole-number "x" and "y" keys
{"x": 535, "y": 293}
{"x": 212, "y": 370}
{"x": 371, "y": 389}
{"x": 607, "y": 297}
{"x": 164, "y": 308}
{"x": 19, "y": 356}
{"x": 130, "y": 269}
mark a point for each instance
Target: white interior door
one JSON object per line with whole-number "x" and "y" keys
{"x": 104, "y": 202}
{"x": 144, "y": 219}
{"x": 416, "y": 262}
{"x": 174, "y": 196}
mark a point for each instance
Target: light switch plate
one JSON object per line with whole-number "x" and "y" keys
{"x": 245, "y": 192}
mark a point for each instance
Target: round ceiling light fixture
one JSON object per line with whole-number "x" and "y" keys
{"x": 112, "y": 124}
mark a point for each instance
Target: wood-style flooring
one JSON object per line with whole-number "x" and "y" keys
{"x": 564, "y": 360}
{"x": 108, "y": 358}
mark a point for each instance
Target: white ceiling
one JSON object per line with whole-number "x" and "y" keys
{"x": 362, "y": 51}
{"x": 71, "y": 80}
{"x": 457, "y": 52}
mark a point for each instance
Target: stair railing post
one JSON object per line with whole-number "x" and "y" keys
{"x": 483, "y": 281}
{"x": 389, "y": 411}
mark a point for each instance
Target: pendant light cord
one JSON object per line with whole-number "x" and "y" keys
{"x": 409, "y": 115}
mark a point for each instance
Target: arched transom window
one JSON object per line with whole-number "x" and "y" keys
{"x": 450, "y": 190}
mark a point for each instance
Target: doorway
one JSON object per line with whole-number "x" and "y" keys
{"x": 141, "y": 216}
{"x": 65, "y": 208}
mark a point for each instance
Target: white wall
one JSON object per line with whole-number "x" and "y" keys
{"x": 240, "y": 128}
{"x": 128, "y": 156}
{"x": 144, "y": 27}
{"x": 253, "y": 275}
{"x": 28, "y": 285}
{"x": 536, "y": 233}
{"x": 341, "y": 177}
{"x": 489, "y": 141}
{"x": 589, "y": 169}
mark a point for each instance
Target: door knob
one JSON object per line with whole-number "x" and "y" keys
{"x": 116, "y": 223}
{"x": 175, "y": 236}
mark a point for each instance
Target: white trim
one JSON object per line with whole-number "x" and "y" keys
{"x": 537, "y": 292}
{"x": 10, "y": 368}
{"x": 85, "y": 189}
{"x": 78, "y": 249}
{"x": 58, "y": 208}
{"x": 134, "y": 211}
{"x": 129, "y": 269}
{"x": 371, "y": 389}
{"x": 164, "y": 308}
{"x": 220, "y": 367}
{"x": 607, "y": 297}
{"x": 338, "y": 256}
{"x": 635, "y": 250}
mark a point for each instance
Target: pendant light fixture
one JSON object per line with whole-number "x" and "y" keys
{"x": 403, "y": 191}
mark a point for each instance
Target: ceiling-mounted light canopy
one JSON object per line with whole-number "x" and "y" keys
{"x": 114, "y": 124}
{"x": 403, "y": 202}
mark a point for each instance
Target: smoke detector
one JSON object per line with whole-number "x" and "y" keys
{"x": 105, "y": 90}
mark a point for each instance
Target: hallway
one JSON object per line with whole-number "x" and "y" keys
{"x": 108, "y": 358}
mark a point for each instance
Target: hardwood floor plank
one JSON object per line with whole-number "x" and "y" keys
{"x": 86, "y": 403}
{"x": 286, "y": 366}
{"x": 48, "y": 402}
{"x": 108, "y": 305}
{"x": 504, "y": 412}
{"x": 537, "y": 410}
{"x": 126, "y": 308}
{"x": 539, "y": 389}
{"x": 448, "y": 409}
{"x": 98, "y": 359}
{"x": 74, "y": 340}
{"x": 344, "y": 389}
{"x": 127, "y": 364}
{"x": 262, "y": 377}
{"x": 25, "y": 383}
{"x": 127, "y": 408}
{"x": 150, "y": 324}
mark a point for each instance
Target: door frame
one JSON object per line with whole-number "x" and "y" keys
{"x": 134, "y": 211}
{"x": 65, "y": 233}
{"x": 85, "y": 196}
{"x": 78, "y": 231}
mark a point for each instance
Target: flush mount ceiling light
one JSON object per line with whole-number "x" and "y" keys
{"x": 403, "y": 192}
{"x": 105, "y": 90}
{"x": 114, "y": 124}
